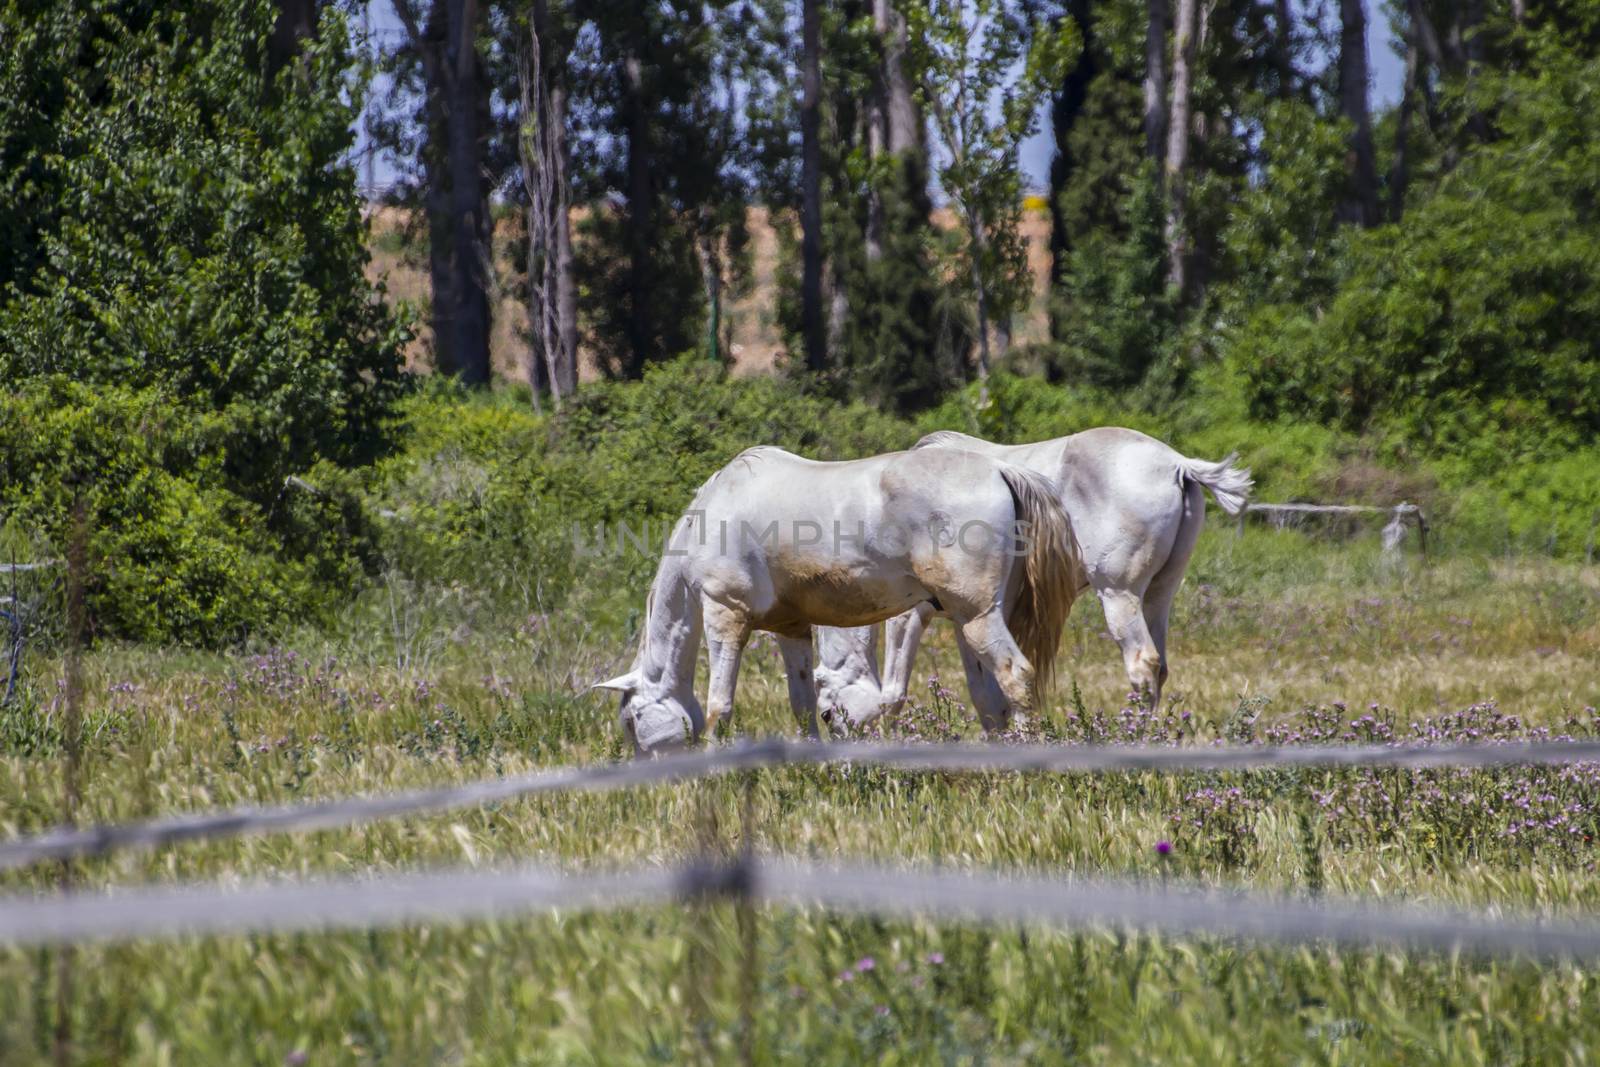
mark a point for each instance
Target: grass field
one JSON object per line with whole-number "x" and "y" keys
{"x": 1268, "y": 626}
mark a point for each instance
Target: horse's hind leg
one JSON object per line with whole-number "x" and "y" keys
{"x": 1164, "y": 586}
{"x": 1140, "y": 656}
{"x": 799, "y": 668}
{"x": 992, "y": 645}
{"x": 727, "y": 630}
{"x": 987, "y": 696}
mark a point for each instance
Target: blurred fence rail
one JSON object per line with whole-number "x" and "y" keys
{"x": 1394, "y": 531}
{"x": 960, "y": 757}
{"x": 467, "y": 894}
{"x": 460, "y": 895}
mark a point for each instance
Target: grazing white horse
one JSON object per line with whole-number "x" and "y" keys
{"x": 780, "y": 543}
{"x": 1136, "y": 507}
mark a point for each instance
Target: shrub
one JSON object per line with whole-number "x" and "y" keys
{"x": 174, "y": 553}
{"x": 494, "y": 497}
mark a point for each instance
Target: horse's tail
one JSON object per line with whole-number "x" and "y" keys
{"x": 1052, "y": 572}
{"x": 1229, "y": 484}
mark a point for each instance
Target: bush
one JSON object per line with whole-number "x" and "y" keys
{"x": 174, "y": 554}
{"x": 185, "y": 322}
{"x": 495, "y": 498}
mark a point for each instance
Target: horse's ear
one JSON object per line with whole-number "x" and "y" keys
{"x": 622, "y": 683}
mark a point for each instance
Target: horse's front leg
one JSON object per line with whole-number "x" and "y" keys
{"x": 799, "y": 667}
{"x": 902, "y": 638}
{"x": 727, "y": 630}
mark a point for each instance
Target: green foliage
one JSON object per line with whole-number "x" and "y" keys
{"x": 1103, "y": 148}
{"x": 674, "y": 299}
{"x": 905, "y": 336}
{"x": 174, "y": 554}
{"x": 517, "y": 509}
{"x": 183, "y": 220}
{"x": 184, "y": 317}
{"x": 666, "y": 143}
{"x": 1113, "y": 316}
{"x": 1451, "y": 329}
{"x": 965, "y": 58}
{"x": 1282, "y": 244}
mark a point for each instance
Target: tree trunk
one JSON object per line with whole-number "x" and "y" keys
{"x": 1065, "y": 108}
{"x": 641, "y": 218}
{"x": 565, "y": 375}
{"x": 1283, "y": 48}
{"x": 1400, "y": 173}
{"x": 878, "y": 128}
{"x": 812, "y": 326}
{"x": 707, "y": 250}
{"x": 894, "y": 123}
{"x": 980, "y": 292}
{"x": 906, "y": 139}
{"x": 1155, "y": 82}
{"x": 296, "y": 22}
{"x": 1427, "y": 37}
{"x": 1178, "y": 122}
{"x": 566, "y": 372}
{"x": 458, "y": 195}
{"x": 1476, "y": 49}
{"x": 542, "y": 146}
{"x": 1361, "y": 206}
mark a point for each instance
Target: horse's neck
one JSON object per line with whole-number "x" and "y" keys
{"x": 671, "y": 631}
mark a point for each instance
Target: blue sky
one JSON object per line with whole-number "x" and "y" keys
{"x": 1387, "y": 69}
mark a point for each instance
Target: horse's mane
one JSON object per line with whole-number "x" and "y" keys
{"x": 747, "y": 457}
{"x": 946, "y": 437}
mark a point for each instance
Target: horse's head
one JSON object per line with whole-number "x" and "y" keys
{"x": 654, "y": 721}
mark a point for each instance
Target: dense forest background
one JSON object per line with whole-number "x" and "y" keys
{"x": 202, "y": 375}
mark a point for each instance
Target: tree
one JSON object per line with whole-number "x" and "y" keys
{"x": 1400, "y": 165}
{"x": 296, "y": 22}
{"x": 185, "y": 321}
{"x": 1361, "y": 206}
{"x": 663, "y": 173}
{"x": 1067, "y": 105}
{"x": 964, "y": 54}
{"x": 545, "y": 160}
{"x": 896, "y": 136}
{"x": 456, "y": 125}
{"x": 180, "y": 218}
{"x": 1177, "y": 161}
{"x": 812, "y": 325}
{"x": 1155, "y": 81}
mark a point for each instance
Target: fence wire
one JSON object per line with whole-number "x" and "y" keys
{"x": 459, "y": 895}
{"x": 962, "y": 757}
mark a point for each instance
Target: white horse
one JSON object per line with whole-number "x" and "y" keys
{"x": 779, "y": 543}
{"x": 1136, "y": 507}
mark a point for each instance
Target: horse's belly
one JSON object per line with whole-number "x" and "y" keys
{"x": 830, "y": 592}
